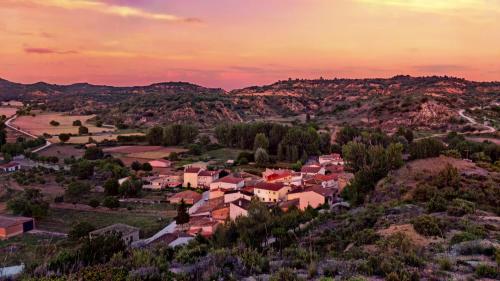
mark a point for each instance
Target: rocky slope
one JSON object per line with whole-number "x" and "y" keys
{"x": 421, "y": 102}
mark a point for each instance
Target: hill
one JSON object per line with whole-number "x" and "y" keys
{"x": 428, "y": 103}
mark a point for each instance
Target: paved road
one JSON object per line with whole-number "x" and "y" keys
{"x": 7, "y": 123}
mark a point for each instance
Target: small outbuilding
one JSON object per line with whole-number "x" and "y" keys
{"x": 11, "y": 226}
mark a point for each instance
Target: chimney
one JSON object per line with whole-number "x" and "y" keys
{"x": 239, "y": 202}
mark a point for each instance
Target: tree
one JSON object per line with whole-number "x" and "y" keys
{"x": 154, "y": 136}
{"x": 80, "y": 230}
{"x": 30, "y": 204}
{"x": 261, "y": 157}
{"x": 260, "y": 141}
{"x": 111, "y": 202}
{"x": 111, "y": 186}
{"x": 93, "y": 153}
{"x": 182, "y": 214}
{"x": 82, "y": 169}
{"x": 136, "y": 166}
{"x": 426, "y": 148}
{"x": 54, "y": 123}
{"x": 205, "y": 140}
{"x": 82, "y": 130}
{"x": 146, "y": 167}
{"x": 173, "y": 156}
{"x": 64, "y": 137}
{"x": 77, "y": 123}
{"x": 77, "y": 189}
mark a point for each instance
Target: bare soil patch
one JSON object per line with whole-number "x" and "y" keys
{"x": 142, "y": 152}
{"x": 62, "y": 151}
{"x": 40, "y": 124}
{"x": 7, "y": 111}
{"x": 410, "y": 232}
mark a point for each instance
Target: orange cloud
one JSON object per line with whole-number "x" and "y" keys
{"x": 46, "y": 51}
{"x": 105, "y": 8}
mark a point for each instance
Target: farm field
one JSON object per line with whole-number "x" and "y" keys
{"x": 224, "y": 154}
{"x": 62, "y": 151}
{"x": 7, "y": 111}
{"x": 145, "y": 152}
{"x": 98, "y": 138}
{"x": 61, "y": 220}
{"x": 12, "y": 135}
{"x": 40, "y": 124}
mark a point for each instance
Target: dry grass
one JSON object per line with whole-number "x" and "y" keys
{"x": 7, "y": 111}
{"x": 409, "y": 231}
{"x": 142, "y": 152}
{"x": 98, "y": 138}
{"x": 62, "y": 151}
{"x": 40, "y": 124}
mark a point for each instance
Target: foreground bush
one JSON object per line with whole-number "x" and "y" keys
{"x": 427, "y": 225}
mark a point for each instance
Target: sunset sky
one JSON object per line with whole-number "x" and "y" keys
{"x": 236, "y": 43}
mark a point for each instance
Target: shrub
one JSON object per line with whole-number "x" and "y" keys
{"x": 437, "y": 204}
{"x": 460, "y": 207}
{"x": 111, "y": 202}
{"x": 82, "y": 130}
{"x": 94, "y": 203}
{"x": 427, "y": 225}
{"x": 80, "y": 230}
{"x": 54, "y": 123}
{"x": 445, "y": 264}
{"x": 77, "y": 123}
{"x": 486, "y": 271}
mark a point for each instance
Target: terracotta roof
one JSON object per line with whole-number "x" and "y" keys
{"x": 188, "y": 194}
{"x": 161, "y": 160}
{"x": 193, "y": 170}
{"x": 269, "y": 186}
{"x": 315, "y": 188}
{"x": 239, "y": 191}
{"x": 7, "y": 221}
{"x": 275, "y": 176}
{"x": 211, "y": 204}
{"x": 168, "y": 238}
{"x": 289, "y": 203}
{"x": 242, "y": 203}
{"x": 206, "y": 173}
{"x": 230, "y": 179}
{"x": 310, "y": 169}
{"x": 9, "y": 165}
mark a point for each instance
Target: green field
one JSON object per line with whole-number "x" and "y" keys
{"x": 28, "y": 249}
{"x": 224, "y": 154}
{"x": 61, "y": 220}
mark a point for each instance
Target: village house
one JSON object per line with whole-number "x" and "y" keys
{"x": 239, "y": 208}
{"x": 326, "y": 181}
{"x": 331, "y": 159}
{"x": 160, "y": 163}
{"x": 11, "y": 226}
{"x": 233, "y": 195}
{"x": 191, "y": 176}
{"x": 10, "y": 167}
{"x": 190, "y": 197}
{"x": 313, "y": 169}
{"x": 205, "y": 178}
{"x": 228, "y": 183}
{"x": 271, "y": 192}
{"x": 204, "y": 226}
{"x": 154, "y": 183}
{"x": 173, "y": 239}
{"x": 279, "y": 175}
{"x": 127, "y": 233}
{"x": 343, "y": 180}
{"x": 313, "y": 196}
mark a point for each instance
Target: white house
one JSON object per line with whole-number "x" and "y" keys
{"x": 238, "y": 208}
{"x": 10, "y": 167}
{"x": 228, "y": 183}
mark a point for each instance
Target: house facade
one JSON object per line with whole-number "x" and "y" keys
{"x": 271, "y": 192}
{"x": 191, "y": 177}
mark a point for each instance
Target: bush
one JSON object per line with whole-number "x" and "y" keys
{"x": 486, "y": 271}
{"x": 460, "y": 207}
{"x": 111, "y": 202}
{"x": 427, "y": 225}
{"x": 437, "y": 204}
{"x": 77, "y": 189}
{"x": 82, "y": 130}
{"x": 77, "y": 123}
{"x": 94, "y": 203}
{"x": 80, "y": 230}
{"x": 54, "y": 123}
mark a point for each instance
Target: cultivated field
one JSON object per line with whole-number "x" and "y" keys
{"x": 62, "y": 151}
{"x": 147, "y": 152}
{"x": 85, "y": 139}
{"x": 40, "y": 124}
{"x": 7, "y": 111}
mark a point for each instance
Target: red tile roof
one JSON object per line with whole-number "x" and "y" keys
{"x": 207, "y": 173}
{"x": 192, "y": 170}
{"x": 230, "y": 179}
{"x": 269, "y": 186}
{"x": 9, "y": 165}
{"x": 310, "y": 169}
{"x": 186, "y": 195}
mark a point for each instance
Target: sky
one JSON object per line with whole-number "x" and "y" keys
{"x": 237, "y": 43}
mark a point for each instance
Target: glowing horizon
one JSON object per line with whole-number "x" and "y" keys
{"x": 232, "y": 44}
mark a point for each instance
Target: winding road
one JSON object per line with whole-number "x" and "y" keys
{"x": 7, "y": 123}
{"x": 472, "y": 121}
